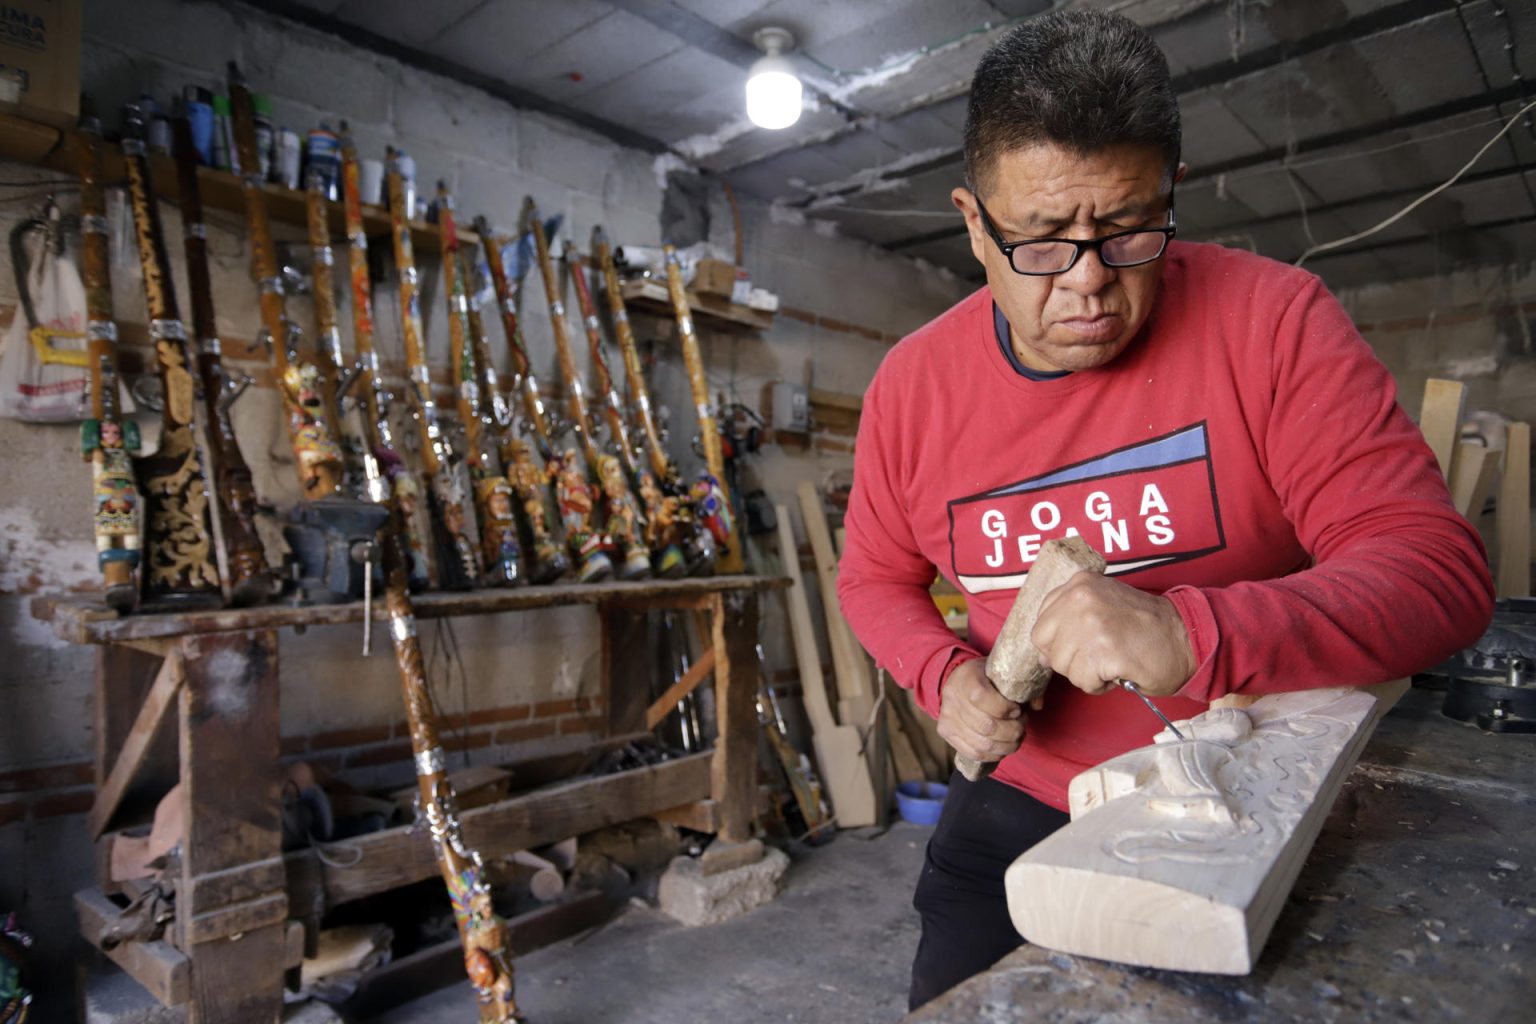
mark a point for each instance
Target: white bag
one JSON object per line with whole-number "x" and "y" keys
{"x": 43, "y": 368}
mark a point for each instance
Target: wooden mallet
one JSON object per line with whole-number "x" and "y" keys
{"x": 1014, "y": 666}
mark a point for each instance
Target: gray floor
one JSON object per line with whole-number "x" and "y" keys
{"x": 837, "y": 946}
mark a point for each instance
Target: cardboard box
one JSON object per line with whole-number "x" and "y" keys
{"x": 714, "y": 277}
{"x": 40, "y": 60}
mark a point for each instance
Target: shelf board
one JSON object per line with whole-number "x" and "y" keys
{"x": 650, "y": 295}
{"x": 84, "y": 621}
{"x": 26, "y": 141}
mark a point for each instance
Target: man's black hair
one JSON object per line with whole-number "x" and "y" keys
{"x": 1082, "y": 80}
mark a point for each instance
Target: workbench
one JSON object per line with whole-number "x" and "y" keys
{"x": 244, "y": 910}
{"x": 1418, "y": 903}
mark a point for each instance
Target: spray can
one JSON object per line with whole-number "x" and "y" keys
{"x": 225, "y": 156}
{"x": 289, "y": 150}
{"x": 407, "y": 168}
{"x": 261, "y": 107}
{"x": 325, "y": 157}
{"x": 199, "y": 106}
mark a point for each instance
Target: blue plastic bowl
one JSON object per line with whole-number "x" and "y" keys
{"x": 921, "y": 802}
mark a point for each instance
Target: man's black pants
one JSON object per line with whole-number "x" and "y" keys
{"x": 983, "y": 829}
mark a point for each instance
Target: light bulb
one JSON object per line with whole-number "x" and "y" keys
{"x": 773, "y": 91}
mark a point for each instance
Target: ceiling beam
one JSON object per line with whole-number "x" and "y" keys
{"x": 1222, "y": 72}
{"x": 1279, "y": 154}
{"x": 1428, "y": 236}
{"x": 293, "y": 11}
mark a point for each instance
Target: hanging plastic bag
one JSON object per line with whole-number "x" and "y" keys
{"x": 43, "y": 368}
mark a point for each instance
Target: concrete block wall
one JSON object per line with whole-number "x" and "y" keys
{"x": 529, "y": 683}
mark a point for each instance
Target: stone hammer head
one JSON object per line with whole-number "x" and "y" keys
{"x": 1014, "y": 665}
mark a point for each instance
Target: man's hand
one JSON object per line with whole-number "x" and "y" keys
{"x": 975, "y": 719}
{"x": 1094, "y": 630}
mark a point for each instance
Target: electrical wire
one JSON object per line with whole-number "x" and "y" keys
{"x": 921, "y": 51}
{"x": 1426, "y": 197}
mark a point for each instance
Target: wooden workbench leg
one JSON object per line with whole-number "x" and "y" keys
{"x": 733, "y": 774}
{"x": 231, "y": 903}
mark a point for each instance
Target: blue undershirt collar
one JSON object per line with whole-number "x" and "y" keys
{"x": 1005, "y": 343}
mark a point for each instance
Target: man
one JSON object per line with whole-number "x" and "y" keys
{"x": 1206, "y": 419}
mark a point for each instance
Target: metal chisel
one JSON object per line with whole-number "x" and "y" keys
{"x": 1133, "y": 688}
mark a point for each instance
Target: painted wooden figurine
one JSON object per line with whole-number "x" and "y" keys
{"x": 624, "y": 520}
{"x": 664, "y": 527}
{"x": 575, "y": 497}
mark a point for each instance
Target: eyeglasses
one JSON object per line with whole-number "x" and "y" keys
{"x": 1042, "y": 257}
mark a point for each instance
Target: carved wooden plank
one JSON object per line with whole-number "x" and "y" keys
{"x": 1515, "y": 514}
{"x": 1180, "y": 855}
{"x": 82, "y": 622}
{"x": 136, "y": 745}
{"x": 1440, "y": 419}
{"x": 1472, "y": 477}
{"x": 839, "y": 750}
{"x": 398, "y": 856}
{"x": 733, "y": 775}
{"x": 667, "y": 702}
{"x": 855, "y": 685}
{"x": 163, "y": 971}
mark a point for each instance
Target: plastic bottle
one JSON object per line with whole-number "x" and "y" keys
{"x": 225, "y": 156}
{"x": 199, "y": 105}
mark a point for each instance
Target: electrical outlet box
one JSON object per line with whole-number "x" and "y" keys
{"x": 791, "y": 408}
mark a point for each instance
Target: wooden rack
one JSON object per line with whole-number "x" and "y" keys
{"x": 32, "y": 142}
{"x": 244, "y": 909}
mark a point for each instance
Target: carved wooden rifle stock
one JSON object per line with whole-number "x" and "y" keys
{"x": 711, "y": 498}
{"x": 180, "y": 570}
{"x": 487, "y": 953}
{"x": 460, "y": 562}
{"x": 679, "y": 518}
{"x": 493, "y": 495}
{"x": 316, "y": 455}
{"x": 106, "y": 439}
{"x": 250, "y": 580}
{"x": 662, "y": 528}
{"x": 607, "y": 484}
{"x": 385, "y": 458}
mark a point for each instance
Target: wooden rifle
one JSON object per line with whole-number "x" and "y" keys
{"x": 548, "y": 562}
{"x": 316, "y": 455}
{"x": 384, "y": 457}
{"x": 662, "y": 528}
{"x": 711, "y": 498}
{"x": 623, "y": 521}
{"x": 106, "y": 439}
{"x": 180, "y": 569}
{"x": 460, "y": 561}
{"x": 493, "y": 495}
{"x": 484, "y": 935}
{"x": 684, "y": 527}
{"x": 250, "y": 580}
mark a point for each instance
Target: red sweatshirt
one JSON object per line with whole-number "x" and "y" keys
{"x": 1245, "y": 456}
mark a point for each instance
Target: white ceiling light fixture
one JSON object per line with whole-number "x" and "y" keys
{"x": 773, "y": 91}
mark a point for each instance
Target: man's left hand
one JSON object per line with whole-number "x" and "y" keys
{"x": 1094, "y": 630}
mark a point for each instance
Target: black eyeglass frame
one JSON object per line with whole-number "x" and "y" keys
{"x": 1096, "y": 244}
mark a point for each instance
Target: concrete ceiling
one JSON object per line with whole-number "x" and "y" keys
{"x": 1304, "y": 120}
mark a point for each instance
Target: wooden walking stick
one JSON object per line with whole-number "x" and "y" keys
{"x": 493, "y": 495}
{"x": 316, "y": 455}
{"x": 710, "y": 495}
{"x": 404, "y": 484}
{"x": 106, "y": 439}
{"x": 460, "y": 565}
{"x": 678, "y": 519}
{"x": 592, "y": 563}
{"x": 661, "y": 522}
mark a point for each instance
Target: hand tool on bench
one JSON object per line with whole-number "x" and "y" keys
{"x": 1014, "y": 666}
